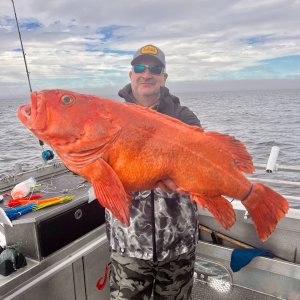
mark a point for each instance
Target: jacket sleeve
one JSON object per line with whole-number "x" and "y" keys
{"x": 188, "y": 117}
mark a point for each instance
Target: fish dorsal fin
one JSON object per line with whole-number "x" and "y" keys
{"x": 242, "y": 159}
{"x": 163, "y": 117}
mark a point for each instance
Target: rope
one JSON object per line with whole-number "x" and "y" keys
{"x": 248, "y": 194}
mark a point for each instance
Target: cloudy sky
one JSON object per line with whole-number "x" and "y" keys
{"x": 88, "y": 44}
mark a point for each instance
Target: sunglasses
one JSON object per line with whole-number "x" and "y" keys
{"x": 153, "y": 69}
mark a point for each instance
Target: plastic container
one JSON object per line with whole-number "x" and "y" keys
{"x": 23, "y": 188}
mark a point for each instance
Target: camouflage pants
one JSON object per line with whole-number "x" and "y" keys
{"x": 137, "y": 279}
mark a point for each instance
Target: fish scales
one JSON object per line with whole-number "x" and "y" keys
{"x": 122, "y": 148}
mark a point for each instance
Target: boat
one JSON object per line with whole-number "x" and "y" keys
{"x": 67, "y": 253}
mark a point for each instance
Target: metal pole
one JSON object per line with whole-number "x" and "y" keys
{"x": 27, "y": 72}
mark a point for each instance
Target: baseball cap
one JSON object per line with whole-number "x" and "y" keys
{"x": 150, "y": 51}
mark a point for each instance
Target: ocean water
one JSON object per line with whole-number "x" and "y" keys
{"x": 261, "y": 119}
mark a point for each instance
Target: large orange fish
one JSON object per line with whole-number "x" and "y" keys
{"x": 121, "y": 148}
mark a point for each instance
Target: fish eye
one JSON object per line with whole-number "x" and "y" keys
{"x": 67, "y": 100}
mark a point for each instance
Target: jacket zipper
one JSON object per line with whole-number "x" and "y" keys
{"x": 153, "y": 227}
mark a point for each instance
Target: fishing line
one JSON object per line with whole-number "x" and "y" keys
{"x": 50, "y": 187}
{"x": 27, "y": 72}
{"x": 46, "y": 154}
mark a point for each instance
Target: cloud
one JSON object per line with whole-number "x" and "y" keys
{"x": 276, "y": 68}
{"x": 71, "y": 45}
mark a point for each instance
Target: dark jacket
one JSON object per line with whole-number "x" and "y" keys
{"x": 169, "y": 105}
{"x": 162, "y": 225}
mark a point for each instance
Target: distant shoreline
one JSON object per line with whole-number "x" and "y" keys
{"x": 21, "y": 92}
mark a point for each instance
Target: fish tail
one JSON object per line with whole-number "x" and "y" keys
{"x": 266, "y": 208}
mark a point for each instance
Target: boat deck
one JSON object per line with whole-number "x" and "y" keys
{"x": 203, "y": 291}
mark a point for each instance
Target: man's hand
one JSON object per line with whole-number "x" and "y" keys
{"x": 169, "y": 186}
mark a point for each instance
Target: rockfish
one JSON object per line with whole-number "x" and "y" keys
{"x": 121, "y": 148}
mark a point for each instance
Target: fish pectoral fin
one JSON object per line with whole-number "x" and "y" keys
{"x": 220, "y": 208}
{"x": 241, "y": 157}
{"x": 111, "y": 194}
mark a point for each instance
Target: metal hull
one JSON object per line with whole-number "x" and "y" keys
{"x": 70, "y": 273}
{"x": 65, "y": 245}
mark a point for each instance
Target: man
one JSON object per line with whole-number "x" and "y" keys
{"x": 156, "y": 253}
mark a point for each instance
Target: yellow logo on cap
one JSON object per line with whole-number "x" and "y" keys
{"x": 149, "y": 49}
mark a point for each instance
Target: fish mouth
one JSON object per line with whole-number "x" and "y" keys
{"x": 33, "y": 115}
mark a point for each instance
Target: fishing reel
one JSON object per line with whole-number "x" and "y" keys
{"x": 46, "y": 154}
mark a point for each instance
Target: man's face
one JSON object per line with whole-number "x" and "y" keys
{"x": 147, "y": 84}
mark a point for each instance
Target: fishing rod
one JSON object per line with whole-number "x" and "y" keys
{"x": 46, "y": 154}
{"x": 24, "y": 55}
